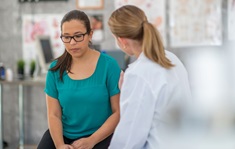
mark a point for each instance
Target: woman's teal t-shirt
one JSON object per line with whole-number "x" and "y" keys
{"x": 85, "y": 103}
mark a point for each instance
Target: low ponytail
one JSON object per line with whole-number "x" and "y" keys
{"x": 130, "y": 22}
{"x": 152, "y": 45}
{"x": 63, "y": 64}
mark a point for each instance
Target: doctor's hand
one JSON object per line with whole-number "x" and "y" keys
{"x": 121, "y": 80}
{"x": 83, "y": 143}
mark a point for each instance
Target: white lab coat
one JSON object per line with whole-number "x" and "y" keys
{"x": 147, "y": 92}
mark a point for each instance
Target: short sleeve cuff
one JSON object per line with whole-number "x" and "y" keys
{"x": 114, "y": 92}
{"x": 51, "y": 94}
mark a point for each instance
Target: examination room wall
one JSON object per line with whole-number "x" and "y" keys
{"x": 211, "y": 69}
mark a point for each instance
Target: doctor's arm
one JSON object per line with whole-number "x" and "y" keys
{"x": 137, "y": 110}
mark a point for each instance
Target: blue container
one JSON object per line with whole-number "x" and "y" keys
{"x": 2, "y": 72}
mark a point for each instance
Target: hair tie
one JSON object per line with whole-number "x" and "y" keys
{"x": 142, "y": 24}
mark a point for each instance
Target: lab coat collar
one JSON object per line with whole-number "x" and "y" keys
{"x": 141, "y": 56}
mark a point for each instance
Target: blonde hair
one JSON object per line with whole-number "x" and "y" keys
{"x": 130, "y": 22}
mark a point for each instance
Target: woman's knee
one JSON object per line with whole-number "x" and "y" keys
{"x": 46, "y": 142}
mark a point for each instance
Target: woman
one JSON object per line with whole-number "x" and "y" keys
{"x": 81, "y": 91}
{"x": 152, "y": 85}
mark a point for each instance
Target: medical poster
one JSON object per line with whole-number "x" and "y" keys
{"x": 90, "y": 4}
{"x": 195, "y": 22}
{"x": 231, "y": 19}
{"x": 154, "y": 10}
{"x": 97, "y": 27}
{"x": 45, "y": 24}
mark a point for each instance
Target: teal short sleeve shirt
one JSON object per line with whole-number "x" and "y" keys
{"x": 85, "y": 103}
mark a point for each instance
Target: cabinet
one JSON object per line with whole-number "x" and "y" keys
{"x": 20, "y": 85}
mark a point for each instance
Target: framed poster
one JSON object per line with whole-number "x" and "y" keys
{"x": 200, "y": 27}
{"x": 97, "y": 27}
{"x": 90, "y": 4}
{"x": 231, "y": 19}
{"x": 43, "y": 25}
{"x": 24, "y": 1}
{"x": 155, "y": 11}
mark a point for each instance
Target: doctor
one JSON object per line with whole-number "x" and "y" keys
{"x": 153, "y": 84}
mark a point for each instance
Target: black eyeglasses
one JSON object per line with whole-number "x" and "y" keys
{"x": 77, "y": 38}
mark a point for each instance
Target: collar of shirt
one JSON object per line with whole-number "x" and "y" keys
{"x": 141, "y": 56}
